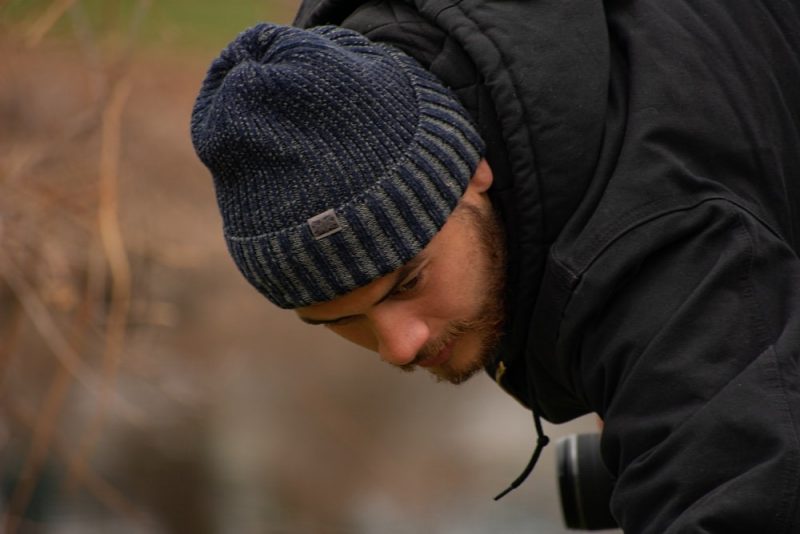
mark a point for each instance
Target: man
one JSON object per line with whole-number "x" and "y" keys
{"x": 618, "y": 232}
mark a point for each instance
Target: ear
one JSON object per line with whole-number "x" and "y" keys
{"x": 482, "y": 179}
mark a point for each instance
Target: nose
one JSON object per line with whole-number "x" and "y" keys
{"x": 400, "y": 334}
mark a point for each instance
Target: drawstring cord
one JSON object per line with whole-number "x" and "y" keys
{"x": 541, "y": 443}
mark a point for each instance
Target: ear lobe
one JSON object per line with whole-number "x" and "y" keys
{"x": 482, "y": 179}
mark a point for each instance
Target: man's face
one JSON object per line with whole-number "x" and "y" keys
{"x": 443, "y": 310}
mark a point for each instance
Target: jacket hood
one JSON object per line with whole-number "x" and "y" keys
{"x": 534, "y": 75}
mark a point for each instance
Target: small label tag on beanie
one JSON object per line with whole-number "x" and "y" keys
{"x": 324, "y": 224}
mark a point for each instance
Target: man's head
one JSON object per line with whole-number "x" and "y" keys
{"x": 443, "y": 310}
{"x": 338, "y": 163}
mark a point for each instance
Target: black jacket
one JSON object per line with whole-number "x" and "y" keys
{"x": 647, "y": 167}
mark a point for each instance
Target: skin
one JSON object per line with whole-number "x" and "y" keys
{"x": 443, "y": 310}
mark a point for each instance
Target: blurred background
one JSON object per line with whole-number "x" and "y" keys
{"x": 145, "y": 387}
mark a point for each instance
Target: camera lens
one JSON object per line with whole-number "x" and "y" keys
{"x": 584, "y": 483}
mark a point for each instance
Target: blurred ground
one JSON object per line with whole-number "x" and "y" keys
{"x": 145, "y": 388}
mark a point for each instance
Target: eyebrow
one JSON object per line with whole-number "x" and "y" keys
{"x": 402, "y": 274}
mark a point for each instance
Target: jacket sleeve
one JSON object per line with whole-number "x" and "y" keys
{"x": 692, "y": 361}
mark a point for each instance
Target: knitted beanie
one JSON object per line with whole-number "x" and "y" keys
{"x": 335, "y": 160}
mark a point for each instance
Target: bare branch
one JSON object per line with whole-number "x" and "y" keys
{"x": 46, "y": 22}
{"x": 98, "y": 487}
{"x": 46, "y": 425}
{"x": 43, "y": 434}
{"x": 16, "y": 315}
{"x": 41, "y": 319}
{"x": 114, "y": 247}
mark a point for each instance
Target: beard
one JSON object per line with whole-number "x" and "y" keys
{"x": 487, "y": 324}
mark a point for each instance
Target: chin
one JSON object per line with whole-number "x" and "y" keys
{"x": 457, "y": 372}
{"x": 475, "y": 352}
{"x": 453, "y": 378}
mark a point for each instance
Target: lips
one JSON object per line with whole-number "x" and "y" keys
{"x": 440, "y": 357}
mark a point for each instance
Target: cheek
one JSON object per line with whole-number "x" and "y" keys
{"x": 454, "y": 294}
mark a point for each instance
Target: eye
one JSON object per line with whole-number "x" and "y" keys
{"x": 408, "y": 285}
{"x": 344, "y": 321}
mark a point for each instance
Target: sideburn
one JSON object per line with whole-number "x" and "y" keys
{"x": 489, "y": 322}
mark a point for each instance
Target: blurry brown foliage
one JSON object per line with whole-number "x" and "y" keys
{"x": 65, "y": 270}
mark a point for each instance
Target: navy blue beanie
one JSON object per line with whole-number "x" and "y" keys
{"x": 335, "y": 160}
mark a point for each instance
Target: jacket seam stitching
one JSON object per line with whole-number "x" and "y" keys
{"x": 604, "y": 240}
{"x": 760, "y": 326}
